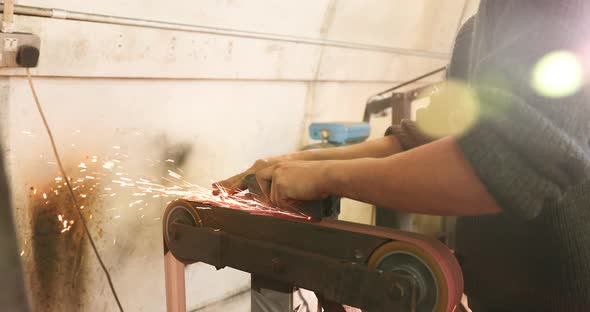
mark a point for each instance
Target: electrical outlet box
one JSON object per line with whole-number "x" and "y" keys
{"x": 19, "y": 50}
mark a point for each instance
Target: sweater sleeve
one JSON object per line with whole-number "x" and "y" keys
{"x": 526, "y": 148}
{"x": 520, "y": 155}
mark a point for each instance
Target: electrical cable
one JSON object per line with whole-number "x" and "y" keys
{"x": 71, "y": 191}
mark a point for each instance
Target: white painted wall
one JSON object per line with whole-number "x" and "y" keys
{"x": 231, "y": 99}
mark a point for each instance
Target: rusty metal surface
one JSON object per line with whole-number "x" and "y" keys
{"x": 340, "y": 281}
{"x": 329, "y": 256}
{"x": 308, "y": 236}
{"x": 448, "y": 263}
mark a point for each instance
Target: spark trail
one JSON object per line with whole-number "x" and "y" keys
{"x": 109, "y": 178}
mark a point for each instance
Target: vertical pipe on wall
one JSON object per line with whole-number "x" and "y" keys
{"x": 12, "y": 291}
{"x": 8, "y": 16}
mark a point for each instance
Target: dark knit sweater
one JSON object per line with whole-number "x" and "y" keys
{"x": 532, "y": 153}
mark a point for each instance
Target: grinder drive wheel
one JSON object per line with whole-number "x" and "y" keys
{"x": 408, "y": 259}
{"x": 179, "y": 211}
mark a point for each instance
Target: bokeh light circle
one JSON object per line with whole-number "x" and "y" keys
{"x": 558, "y": 74}
{"x": 453, "y": 110}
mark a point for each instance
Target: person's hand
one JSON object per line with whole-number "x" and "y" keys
{"x": 290, "y": 181}
{"x": 236, "y": 183}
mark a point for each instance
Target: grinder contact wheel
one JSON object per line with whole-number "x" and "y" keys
{"x": 408, "y": 259}
{"x": 179, "y": 211}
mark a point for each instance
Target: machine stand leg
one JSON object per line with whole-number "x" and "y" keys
{"x": 175, "y": 291}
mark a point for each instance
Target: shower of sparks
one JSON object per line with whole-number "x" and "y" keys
{"x": 135, "y": 203}
{"x": 174, "y": 174}
{"x": 177, "y": 187}
{"x": 111, "y": 178}
{"x": 65, "y": 224}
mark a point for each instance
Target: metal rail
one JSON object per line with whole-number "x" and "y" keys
{"x": 126, "y": 21}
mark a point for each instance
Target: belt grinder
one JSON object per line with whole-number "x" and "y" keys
{"x": 371, "y": 268}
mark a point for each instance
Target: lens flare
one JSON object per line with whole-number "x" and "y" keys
{"x": 453, "y": 110}
{"x": 558, "y": 74}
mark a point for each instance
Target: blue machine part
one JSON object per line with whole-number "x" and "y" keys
{"x": 340, "y": 132}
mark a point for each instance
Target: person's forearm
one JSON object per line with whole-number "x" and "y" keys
{"x": 432, "y": 179}
{"x": 376, "y": 148}
{"x": 381, "y": 147}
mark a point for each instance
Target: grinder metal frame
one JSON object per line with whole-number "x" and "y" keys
{"x": 329, "y": 257}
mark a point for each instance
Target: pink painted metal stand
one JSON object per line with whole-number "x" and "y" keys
{"x": 175, "y": 288}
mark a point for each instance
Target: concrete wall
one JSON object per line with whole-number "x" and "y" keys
{"x": 218, "y": 102}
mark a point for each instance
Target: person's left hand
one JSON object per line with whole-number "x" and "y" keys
{"x": 291, "y": 181}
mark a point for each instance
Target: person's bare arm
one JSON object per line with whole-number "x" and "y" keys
{"x": 377, "y": 148}
{"x": 433, "y": 179}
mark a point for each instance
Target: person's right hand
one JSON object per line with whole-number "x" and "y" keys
{"x": 236, "y": 183}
